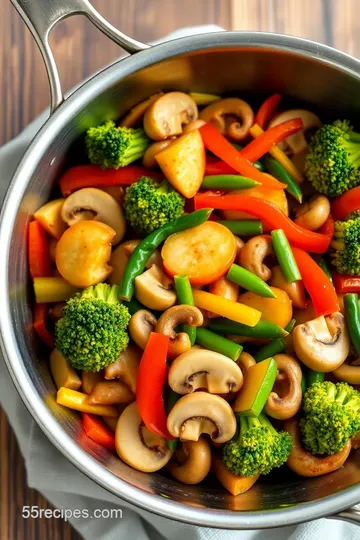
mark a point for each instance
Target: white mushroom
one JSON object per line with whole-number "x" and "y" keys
{"x": 200, "y": 368}
{"x": 297, "y": 142}
{"x": 96, "y": 204}
{"x": 154, "y": 289}
{"x": 199, "y": 413}
{"x": 166, "y": 116}
{"x": 126, "y": 367}
{"x": 322, "y": 344}
{"x": 136, "y": 445}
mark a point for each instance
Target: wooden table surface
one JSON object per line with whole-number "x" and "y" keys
{"x": 80, "y": 49}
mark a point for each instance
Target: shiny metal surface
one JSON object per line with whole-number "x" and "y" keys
{"x": 234, "y": 63}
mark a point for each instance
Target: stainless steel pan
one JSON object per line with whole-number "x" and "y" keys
{"x": 235, "y": 62}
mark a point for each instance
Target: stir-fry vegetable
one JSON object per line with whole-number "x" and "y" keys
{"x": 148, "y": 333}
{"x": 143, "y": 251}
{"x": 269, "y": 214}
{"x": 150, "y": 385}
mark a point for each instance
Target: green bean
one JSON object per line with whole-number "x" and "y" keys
{"x": 303, "y": 381}
{"x": 285, "y": 256}
{"x": 277, "y": 170}
{"x": 185, "y": 296}
{"x": 249, "y": 281}
{"x": 258, "y": 164}
{"x": 352, "y": 314}
{"x": 228, "y": 182}
{"x": 321, "y": 261}
{"x": 171, "y": 398}
{"x": 139, "y": 257}
{"x": 262, "y": 330}
{"x": 276, "y": 346}
{"x": 219, "y": 344}
{"x": 314, "y": 376}
{"x": 243, "y": 227}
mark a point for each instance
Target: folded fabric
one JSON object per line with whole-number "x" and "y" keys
{"x": 49, "y": 472}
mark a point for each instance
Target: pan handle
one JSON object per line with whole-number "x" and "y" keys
{"x": 40, "y": 16}
{"x": 351, "y": 515}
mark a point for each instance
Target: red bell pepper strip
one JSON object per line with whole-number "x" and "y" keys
{"x": 97, "y": 431}
{"x": 38, "y": 251}
{"x": 213, "y": 168}
{"x": 271, "y": 215}
{"x": 345, "y": 204}
{"x": 218, "y": 145}
{"x": 39, "y": 324}
{"x": 83, "y": 176}
{"x": 267, "y": 109}
{"x": 346, "y": 284}
{"x": 262, "y": 144}
{"x": 150, "y": 384}
{"x": 328, "y": 228}
{"x": 317, "y": 284}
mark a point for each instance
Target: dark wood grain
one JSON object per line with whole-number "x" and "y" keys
{"x": 79, "y": 50}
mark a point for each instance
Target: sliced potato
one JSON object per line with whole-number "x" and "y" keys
{"x": 183, "y": 163}
{"x": 50, "y": 218}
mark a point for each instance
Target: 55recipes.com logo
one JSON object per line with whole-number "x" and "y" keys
{"x": 34, "y": 512}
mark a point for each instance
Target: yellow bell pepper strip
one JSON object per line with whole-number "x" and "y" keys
{"x": 279, "y": 155}
{"x": 201, "y": 98}
{"x": 52, "y": 289}
{"x": 226, "y": 308}
{"x": 79, "y": 402}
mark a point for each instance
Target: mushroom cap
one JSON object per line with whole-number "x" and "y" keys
{"x": 166, "y": 115}
{"x": 231, "y": 116}
{"x": 201, "y": 368}
{"x": 322, "y": 344}
{"x": 154, "y": 289}
{"x": 200, "y": 412}
{"x": 297, "y": 142}
{"x": 93, "y": 203}
{"x": 191, "y": 462}
{"x": 136, "y": 445}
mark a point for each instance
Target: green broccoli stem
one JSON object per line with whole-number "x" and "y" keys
{"x": 248, "y": 422}
{"x": 137, "y": 146}
{"x": 341, "y": 397}
{"x": 103, "y": 291}
{"x": 354, "y": 136}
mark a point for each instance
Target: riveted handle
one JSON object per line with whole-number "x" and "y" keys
{"x": 40, "y": 16}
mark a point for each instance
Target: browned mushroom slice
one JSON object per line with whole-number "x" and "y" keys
{"x": 200, "y": 368}
{"x": 322, "y": 344}
{"x": 231, "y": 116}
{"x": 142, "y": 323}
{"x": 191, "y": 462}
{"x": 136, "y": 445}
{"x": 154, "y": 289}
{"x": 126, "y": 367}
{"x": 173, "y": 317}
{"x": 93, "y": 203}
{"x": 199, "y": 413}
{"x": 166, "y": 116}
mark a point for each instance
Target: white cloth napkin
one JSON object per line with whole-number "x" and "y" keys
{"x": 49, "y": 472}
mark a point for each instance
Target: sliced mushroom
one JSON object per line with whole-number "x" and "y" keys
{"x": 195, "y": 124}
{"x": 312, "y": 214}
{"x": 297, "y": 142}
{"x": 253, "y": 254}
{"x": 245, "y": 361}
{"x": 200, "y": 368}
{"x": 110, "y": 393}
{"x": 89, "y": 379}
{"x": 285, "y": 398}
{"x": 136, "y": 445}
{"x": 142, "y": 323}
{"x": 154, "y": 289}
{"x": 166, "y": 116}
{"x": 126, "y": 367}
{"x": 322, "y": 344}
{"x": 233, "y": 117}
{"x": 92, "y": 203}
{"x": 135, "y": 115}
{"x": 173, "y": 317}
{"x": 191, "y": 463}
{"x": 355, "y": 441}
{"x": 349, "y": 373}
{"x": 199, "y": 413}
{"x": 120, "y": 256}
{"x": 304, "y": 463}
{"x": 224, "y": 288}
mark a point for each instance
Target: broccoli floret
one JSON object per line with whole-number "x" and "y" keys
{"x": 333, "y": 159}
{"x": 257, "y": 447}
{"x": 149, "y": 204}
{"x": 93, "y": 330}
{"x": 331, "y": 416}
{"x": 112, "y": 147}
{"x": 345, "y": 246}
